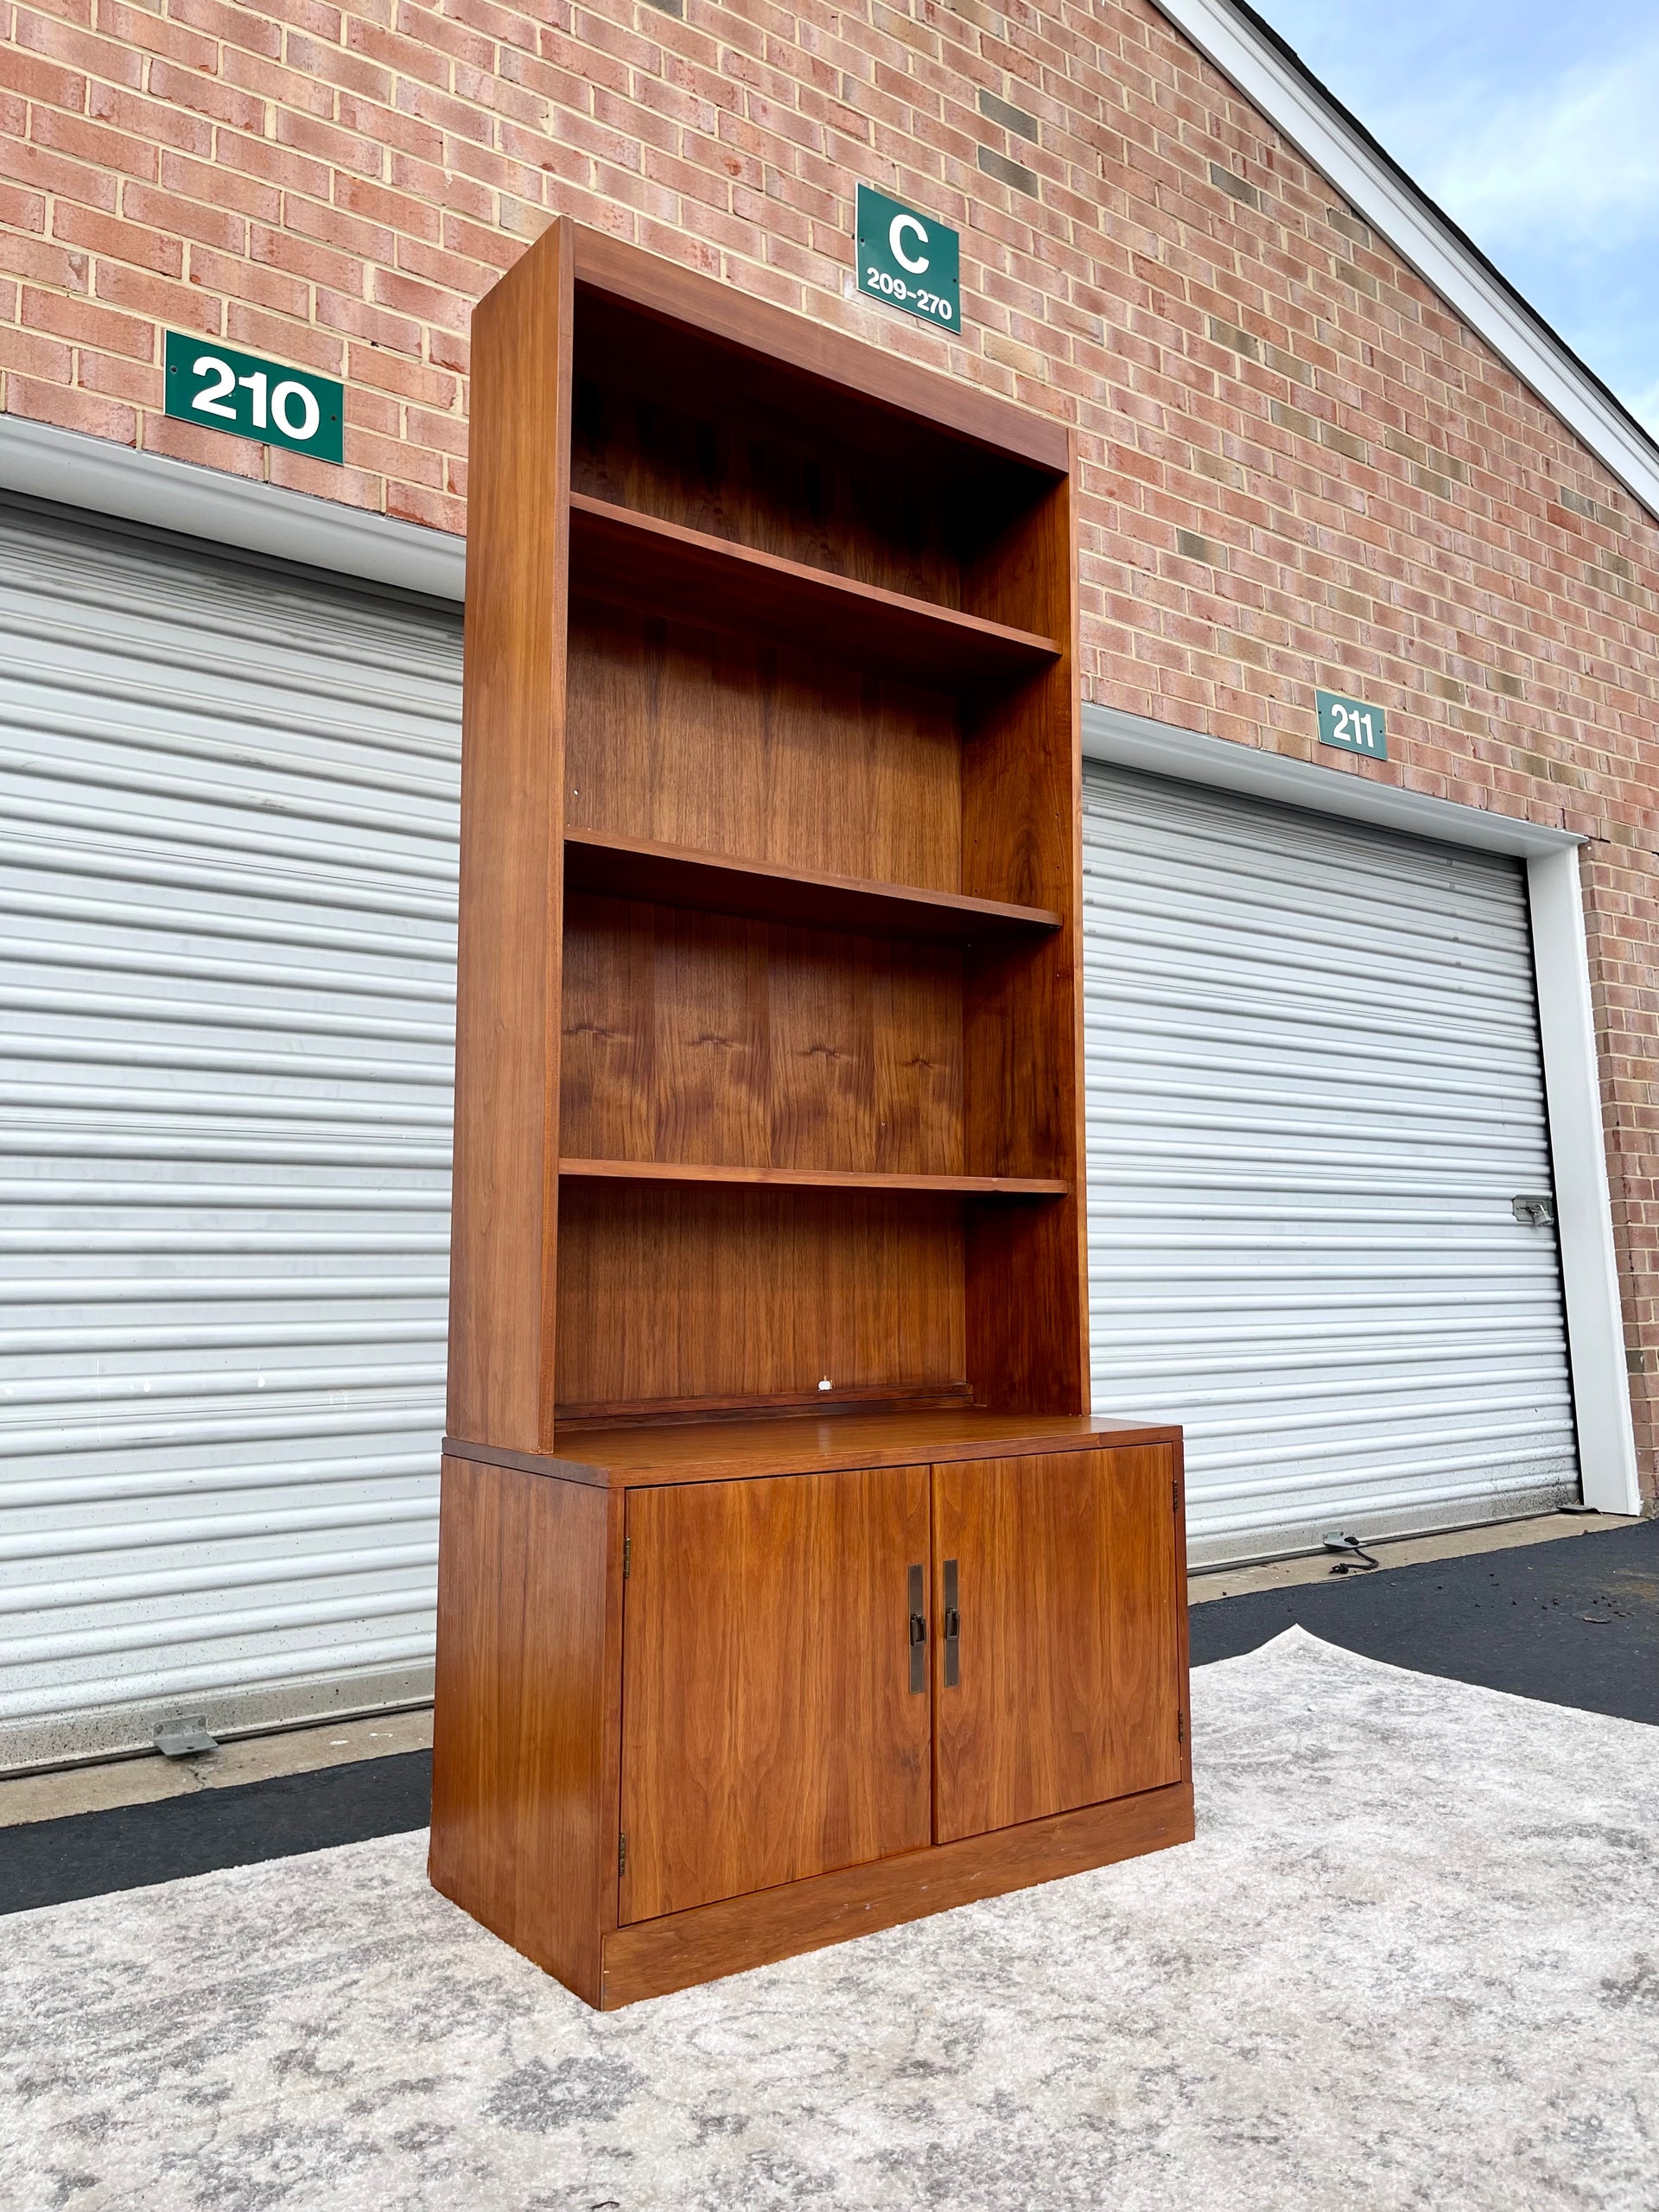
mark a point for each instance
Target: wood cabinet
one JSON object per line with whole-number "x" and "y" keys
{"x": 769, "y": 1728}
{"x": 767, "y": 1296}
{"x": 716, "y": 1692}
{"x": 1056, "y": 1669}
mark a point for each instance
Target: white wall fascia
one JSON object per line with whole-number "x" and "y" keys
{"x": 43, "y": 462}
{"x": 1421, "y": 236}
{"x": 1595, "y": 1321}
{"x": 1131, "y": 741}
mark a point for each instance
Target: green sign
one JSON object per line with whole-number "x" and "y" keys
{"x": 908, "y": 260}
{"x": 252, "y": 399}
{"x": 1352, "y": 725}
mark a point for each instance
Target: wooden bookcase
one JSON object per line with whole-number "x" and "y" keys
{"x": 768, "y": 1281}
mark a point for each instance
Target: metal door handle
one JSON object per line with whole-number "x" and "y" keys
{"x": 952, "y": 1625}
{"x": 918, "y": 1630}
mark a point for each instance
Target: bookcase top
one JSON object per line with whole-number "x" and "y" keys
{"x": 661, "y": 288}
{"x": 727, "y": 1451}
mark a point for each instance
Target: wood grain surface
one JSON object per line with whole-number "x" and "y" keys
{"x": 655, "y": 1956}
{"x": 1068, "y": 1689}
{"x": 618, "y": 554}
{"x": 729, "y": 1450}
{"x": 1147, "y": 1620}
{"x": 841, "y": 1397}
{"x": 728, "y": 746}
{"x": 769, "y": 1730}
{"x": 504, "y": 1222}
{"x": 521, "y": 1839}
{"x": 637, "y": 867}
{"x": 1183, "y": 1616}
{"x": 832, "y": 365}
{"x": 670, "y": 1292}
{"x": 773, "y": 1110}
{"x": 1022, "y": 1051}
{"x": 713, "y": 1040}
{"x": 674, "y": 424}
{"x": 1023, "y": 1188}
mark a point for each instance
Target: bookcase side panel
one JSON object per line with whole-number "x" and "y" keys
{"x": 1022, "y": 1053}
{"x": 523, "y": 1779}
{"x": 511, "y": 849}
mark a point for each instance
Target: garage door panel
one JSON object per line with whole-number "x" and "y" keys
{"x": 1314, "y": 1088}
{"x": 227, "y": 880}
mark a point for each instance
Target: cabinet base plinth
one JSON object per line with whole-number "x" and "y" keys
{"x": 653, "y": 1957}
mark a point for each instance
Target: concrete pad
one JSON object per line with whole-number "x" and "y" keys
{"x": 150, "y": 1779}
{"x": 1403, "y": 1551}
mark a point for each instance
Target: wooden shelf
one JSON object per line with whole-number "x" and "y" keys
{"x": 811, "y": 1439}
{"x": 634, "y": 868}
{"x": 617, "y": 554}
{"x": 814, "y": 1179}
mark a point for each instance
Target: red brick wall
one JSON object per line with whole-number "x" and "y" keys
{"x": 1299, "y": 466}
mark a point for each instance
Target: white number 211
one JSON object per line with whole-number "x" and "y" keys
{"x": 1353, "y": 726}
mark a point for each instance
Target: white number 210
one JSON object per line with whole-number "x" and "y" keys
{"x": 290, "y": 406}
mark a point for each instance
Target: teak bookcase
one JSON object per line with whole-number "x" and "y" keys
{"x": 787, "y": 1588}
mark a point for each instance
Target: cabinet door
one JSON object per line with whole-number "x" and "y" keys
{"x": 770, "y": 1729}
{"x": 1066, "y": 1686}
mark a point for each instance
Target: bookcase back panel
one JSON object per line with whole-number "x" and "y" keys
{"x": 673, "y": 423}
{"x": 671, "y": 1295}
{"x": 698, "y": 739}
{"x": 705, "y": 1037}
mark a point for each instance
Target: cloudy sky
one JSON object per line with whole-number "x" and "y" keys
{"x": 1535, "y": 124}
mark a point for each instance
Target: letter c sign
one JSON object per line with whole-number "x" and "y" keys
{"x": 896, "y": 230}
{"x": 908, "y": 260}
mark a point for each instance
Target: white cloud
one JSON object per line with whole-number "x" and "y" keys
{"x": 1536, "y": 127}
{"x": 1579, "y": 157}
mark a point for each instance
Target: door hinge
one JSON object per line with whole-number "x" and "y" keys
{"x": 628, "y": 1557}
{"x": 622, "y": 1853}
{"x": 1175, "y": 1498}
{"x": 1180, "y": 1725}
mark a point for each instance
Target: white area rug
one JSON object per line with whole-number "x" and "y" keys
{"x": 1412, "y": 1961}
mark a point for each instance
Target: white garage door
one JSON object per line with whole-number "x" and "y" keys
{"x": 1314, "y": 1093}
{"x": 228, "y": 808}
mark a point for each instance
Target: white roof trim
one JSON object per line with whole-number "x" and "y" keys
{"x": 1160, "y": 749}
{"x": 1419, "y": 234}
{"x": 46, "y": 463}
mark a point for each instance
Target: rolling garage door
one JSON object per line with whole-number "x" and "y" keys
{"x": 227, "y": 870}
{"x": 1314, "y": 1093}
